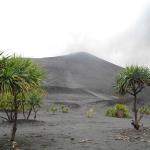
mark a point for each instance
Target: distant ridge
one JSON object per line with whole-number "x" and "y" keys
{"x": 90, "y": 56}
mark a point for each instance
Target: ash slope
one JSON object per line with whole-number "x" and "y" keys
{"x": 79, "y": 71}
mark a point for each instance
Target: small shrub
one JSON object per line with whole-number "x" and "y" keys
{"x": 110, "y": 112}
{"x": 59, "y": 108}
{"x": 144, "y": 110}
{"x": 64, "y": 109}
{"x": 90, "y": 112}
{"x": 119, "y": 110}
{"x": 53, "y": 109}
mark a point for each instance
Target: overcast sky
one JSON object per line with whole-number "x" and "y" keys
{"x": 105, "y": 28}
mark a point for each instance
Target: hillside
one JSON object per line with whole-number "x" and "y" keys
{"x": 79, "y": 71}
{"x": 80, "y": 74}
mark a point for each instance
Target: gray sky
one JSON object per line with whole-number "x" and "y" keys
{"x": 115, "y": 30}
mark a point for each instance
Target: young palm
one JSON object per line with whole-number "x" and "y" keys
{"x": 132, "y": 80}
{"x": 18, "y": 76}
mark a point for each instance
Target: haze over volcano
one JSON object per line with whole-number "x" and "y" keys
{"x": 80, "y": 72}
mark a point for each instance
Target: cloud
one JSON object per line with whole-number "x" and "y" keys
{"x": 130, "y": 47}
{"x": 133, "y": 47}
{"x": 103, "y": 28}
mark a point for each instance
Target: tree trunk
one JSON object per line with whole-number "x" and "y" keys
{"x": 12, "y": 112}
{"x": 136, "y": 123}
{"x": 35, "y": 112}
{"x": 23, "y": 111}
{"x": 29, "y": 114}
{"x": 14, "y": 129}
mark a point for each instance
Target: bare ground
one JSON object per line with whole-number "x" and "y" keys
{"x": 74, "y": 131}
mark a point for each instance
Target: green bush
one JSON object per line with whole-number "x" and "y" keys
{"x": 64, "y": 109}
{"x": 144, "y": 110}
{"x": 90, "y": 113}
{"x": 59, "y": 108}
{"x": 53, "y": 109}
{"x": 110, "y": 112}
{"x": 119, "y": 110}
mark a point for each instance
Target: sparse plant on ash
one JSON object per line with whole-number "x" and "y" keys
{"x": 132, "y": 80}
{"x": 119, "y": 110}
{"x": 90, "y": 112}
{"x": 64, "y": 109}
{"x": 53, "y": 108}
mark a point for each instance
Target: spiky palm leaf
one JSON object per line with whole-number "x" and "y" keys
{"x": 19, "y": 75}
{"x": 133, "y": 78}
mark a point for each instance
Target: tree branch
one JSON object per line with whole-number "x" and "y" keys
{"x": 130, "y": 93}
{"x": 138, "y": 91}
{"x": 4, "y": 118}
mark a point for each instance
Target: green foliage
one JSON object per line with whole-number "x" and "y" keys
{"x": 144, "y": 110}
{"x": 119, "y": 110}
{"x": 33, "y": 98}
{"x": 54, "y": 108}
{"x": 110, "y": 112}
{"x": 90, "y": 112}
{"x": 64, "y": 109}
{"x": 132, "y": 80}
{"x": 58, "y": 108}
{"x": 31, "y": 101}
{"x": 18, "y": 76}
{"x": 6, "y": 101}
{"x": 20, "y": 79}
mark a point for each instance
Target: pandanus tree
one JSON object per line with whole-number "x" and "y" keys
{"x": 18, "y": 76}
{"x": 132, "y": 80}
